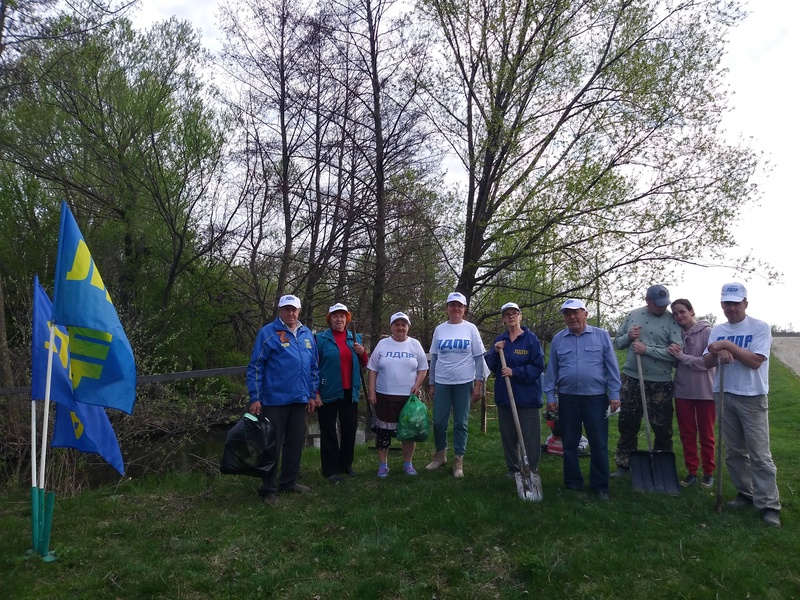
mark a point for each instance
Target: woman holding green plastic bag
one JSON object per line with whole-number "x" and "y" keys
{"x": 397, "y": 368}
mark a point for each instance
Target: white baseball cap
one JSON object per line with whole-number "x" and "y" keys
{"x": 399, "y": 315}
{"x": 508, "y": 305}
{"x": 289, "y": 300}
{"x": 572, "y": 304}
{"x": 338, "y": 306}
{"x": 733, "y": 292}
{"x": 456, "y": 297}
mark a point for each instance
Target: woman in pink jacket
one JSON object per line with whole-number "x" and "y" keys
{"x": 694, "y": 402}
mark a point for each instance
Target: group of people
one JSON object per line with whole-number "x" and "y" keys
{"x": 662, "y": 340}
{"x": 291, "y": 372}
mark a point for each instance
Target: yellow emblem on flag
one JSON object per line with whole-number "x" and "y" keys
{"x": 77, "y": 426}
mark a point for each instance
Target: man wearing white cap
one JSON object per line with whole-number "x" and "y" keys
{"x": 457, "y": 374}
{"x": 741, "y": 346}
{"x": 581, "y": 383}
{"x": 282, "y": 382}
{"x": 647, "y": 332}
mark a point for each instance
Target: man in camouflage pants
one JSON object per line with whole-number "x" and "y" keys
{"x": 648, "y": 332}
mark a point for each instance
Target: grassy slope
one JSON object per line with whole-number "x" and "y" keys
{"x": 201, "y": 536}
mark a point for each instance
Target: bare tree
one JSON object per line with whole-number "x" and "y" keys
{"x": 589, "y": 133}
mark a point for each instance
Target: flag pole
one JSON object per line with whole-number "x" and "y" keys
{"x": 34, "y": 488}
{"x": 46, "y": 502}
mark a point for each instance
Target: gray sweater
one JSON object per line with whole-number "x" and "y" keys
{"x": 658, "y": 332}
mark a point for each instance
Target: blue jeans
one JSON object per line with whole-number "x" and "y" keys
{"x": 456, "y": 398}
{"x": 589, "y": 412}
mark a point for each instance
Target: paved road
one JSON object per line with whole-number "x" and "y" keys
{"x": 787, "y": 349}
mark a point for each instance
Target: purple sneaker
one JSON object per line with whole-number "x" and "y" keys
{"x": 383, "y": 471}
{"x": 409, "y": 469}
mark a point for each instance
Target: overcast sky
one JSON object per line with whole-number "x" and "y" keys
{"x": 762, "y": 65}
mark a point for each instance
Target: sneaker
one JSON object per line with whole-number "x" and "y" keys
{"x": 350, "y": 472}
{"x": 707, "y": 481}
{"x": 621, "y": 472}
{"x": 740, "y": 501}
{"x": 603, "y": 496}
{"x": 409, "y": 469}
{"x": 297, "y": 488}
{"x": 771, "y": 517}
{"x": 335, "y": 478}
{"x": 270, "y": 499}
{"x": 688, "y": 480}
{"x": 383, "y": 471}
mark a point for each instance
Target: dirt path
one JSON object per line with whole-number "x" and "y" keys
{"x": 787, "y": 350}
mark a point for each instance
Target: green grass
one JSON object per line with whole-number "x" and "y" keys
{"x": 195, "y": 535}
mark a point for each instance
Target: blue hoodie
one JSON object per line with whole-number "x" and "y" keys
{"x": 525, "y": 357}
{"x": 283, "y": 368}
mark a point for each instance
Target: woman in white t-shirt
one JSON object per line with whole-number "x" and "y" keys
{"x": 397, "y": 369}
{"x": 457, "y": 373}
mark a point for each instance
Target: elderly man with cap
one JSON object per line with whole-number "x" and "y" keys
{"x": 341, "y": 358}
{"x": 457, "y": 374}
{"x": 282, "y": 381}
{"x": 741, "y": 347}
{"x": 648, "y": 333}
{"x": 582, "y": 385}
{"x": 524, "y": 366}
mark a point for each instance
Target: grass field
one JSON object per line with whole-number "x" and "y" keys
{"x": 200, "y": 535}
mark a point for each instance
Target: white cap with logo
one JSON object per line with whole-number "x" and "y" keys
{"x": 508, "y": 305}
{"x": 337, "y": 306}
{"x": 733, "y": 292}
{"x": 399, "y": 315}
{"x": 289, "y": 300}
{"x": 456, "y": 297}
{"x": 572, "y": 304}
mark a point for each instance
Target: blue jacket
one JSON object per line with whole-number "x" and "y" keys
{"x": 284, "y": 368}
{"x": 330, "y": 371}
{"x": 526, "y": 359}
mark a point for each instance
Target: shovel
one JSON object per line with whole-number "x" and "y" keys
{"x": 719, "y": 436}
{"x": 652, "y": 471}
{"x": 529, "y": 483}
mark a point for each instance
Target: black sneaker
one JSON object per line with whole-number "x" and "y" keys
{"x": 688, "y": 480}
{"x": 740, "y": 501}
{"x": 335, "y": 478}
{"x": 297, "y": 488}
{"x": 270, "y": 499}
{"x": 707, "y": 481}
{"x": 621, "y": 473}
{"x": 771, "y": 517}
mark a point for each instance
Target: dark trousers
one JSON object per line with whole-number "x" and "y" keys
{"x": 584, "y": 412}
{"x": 530, "y": 425}
{"x": 659, "y": 411}
{"x": 289, "y": 424}
{"x": 336, "y": 456}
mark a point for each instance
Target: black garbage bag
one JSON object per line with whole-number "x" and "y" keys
{"x": 249, "y": 448}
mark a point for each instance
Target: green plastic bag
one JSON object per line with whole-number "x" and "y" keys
{"x": 413, "y": 424}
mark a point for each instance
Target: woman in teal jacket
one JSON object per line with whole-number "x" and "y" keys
{"x": 341, "y": 358}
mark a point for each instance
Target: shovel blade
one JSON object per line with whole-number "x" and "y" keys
{"x": 654, "y": 472}
{"x": 529, "y": 487}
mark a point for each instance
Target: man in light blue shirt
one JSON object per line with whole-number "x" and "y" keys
{"x": 581, "y": 383}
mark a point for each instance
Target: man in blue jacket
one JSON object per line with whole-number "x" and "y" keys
{"x": 581, "y": 383}
{"x": 282, "y": 381}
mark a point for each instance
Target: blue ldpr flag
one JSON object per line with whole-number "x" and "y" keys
{"x": 102, "y": 367}
{"x": 81, "y": 426}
